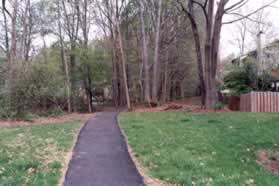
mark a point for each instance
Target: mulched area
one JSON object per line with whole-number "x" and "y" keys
{"x": 192, "y": 104}
{"x": 46, "y": 120}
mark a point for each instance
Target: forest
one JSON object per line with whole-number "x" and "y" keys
{"x": 61, "y": 55}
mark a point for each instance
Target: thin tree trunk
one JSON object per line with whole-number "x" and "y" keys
{"x": 44, "y": 48}
{"x": 141, "y": 83}
{"x": 165, "y": 81}
{"x": 13, "y": 53}
{"x": 260, "y": 65}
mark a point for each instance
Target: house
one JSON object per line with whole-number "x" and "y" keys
{"x": 269, "y": 62}
{"x": 275, "y": 82}
{"x": 270, "y": 57}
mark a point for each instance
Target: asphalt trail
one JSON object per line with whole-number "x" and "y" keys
{"x": 100, "y": 157}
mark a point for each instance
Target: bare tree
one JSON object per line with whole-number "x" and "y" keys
{"x": 156, "y": 52}
{"x": 111, "y": 17}
{"x": 6, "y": 13}
{"x": 64, "y": 57}
{"x": 198, "y": 42}
{"x": 28, "y": 27}
{"x": 71, "y": 25}
{"x": 147, "y": 96}
{"x": 240, "y": 36}
{"x": 213, "y": 13}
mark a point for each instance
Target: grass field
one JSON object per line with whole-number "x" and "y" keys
{"x": 35, "y": 155}
{"x": 204, "y": 149}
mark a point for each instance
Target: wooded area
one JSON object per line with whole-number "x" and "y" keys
{"x": 61, "y": 55}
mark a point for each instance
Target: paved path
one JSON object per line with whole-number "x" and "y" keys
{"x": 101, "y": 157}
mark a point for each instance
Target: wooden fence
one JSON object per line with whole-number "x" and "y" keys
{"x": 234, "y": 103}
{"x": 259, "y": 102}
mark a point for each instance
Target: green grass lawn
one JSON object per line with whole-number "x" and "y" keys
{"x": 35, "y": 155}
{"x": 218, "y": 149}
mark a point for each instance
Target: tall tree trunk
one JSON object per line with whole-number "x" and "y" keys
{"x": 182, "y": 93}
{"x": 25, "y": 38}
{"x": 142, "y": 98}
{"x": 44, "y": 48}
{"x": 67, "y": 81}
{"x": 260, "y": 66}
{"x": 72, "y": 24}
{"x": 89, "y": 91}
{"x": 213, "y": 34}
{"x": 165, "y": 80}
{"x": 7, "y": 45}
{"x": 156, "y": 55}
{"x": 198, "y": 49}
{"x": 72, "y": 67}
{"x": 13, "y": 53}
{"x": 29, "y": 35}
{"x": 209, "y": 82}
{"x": 65, "y": 62}
{"x": 123, "y": 65}
{"x": 115, "y": 89}
{"x": 147, "y": 97}
{"x": 82, "y": 16}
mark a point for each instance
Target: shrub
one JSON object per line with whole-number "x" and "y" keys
{"x": 245, "y": 79}
{"x": 219, "y": 106}
{"x": 57, "y": 111}
{"x": 37, "y": 86}
{"x": 238, "y": 81}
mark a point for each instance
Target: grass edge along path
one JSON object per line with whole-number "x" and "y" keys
{"x": 144, "y": 172}
{"x": 70, "y": 155}
{"x": 203, "y": 149}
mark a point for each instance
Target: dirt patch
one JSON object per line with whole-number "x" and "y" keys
{"x": 47, "y": 120}
{"x": 269, "y": 160}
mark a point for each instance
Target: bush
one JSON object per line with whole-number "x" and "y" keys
{"x": 37, "y": 86}
{"x": 5, "y": 110}
{"x": 219, "y": 106}
{"x": 57, "y": 111}
{"x": 264, "y": 82}
{"x": 238, "y": 81}
{"x": 245, "y": 79}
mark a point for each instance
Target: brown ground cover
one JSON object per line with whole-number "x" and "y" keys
{"x": 46, "y": 120}
{"x": 191, "y": 104}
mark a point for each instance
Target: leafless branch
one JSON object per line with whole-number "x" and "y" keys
{"x": 250, "y": 14}
{"x": 237, "y": 5}
{"x": 250, "y": 19}
{"x": 5, "y": 9}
